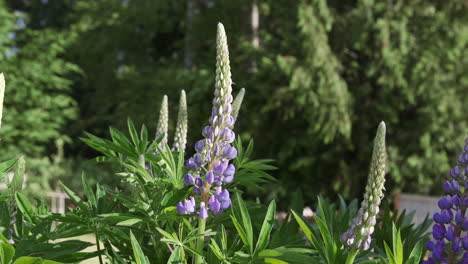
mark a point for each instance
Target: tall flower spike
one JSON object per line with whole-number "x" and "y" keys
{"x": 236, "y": 105}
{"x": 449, "y": 232}
{"x": 359, "y": 234}
{"x": 162, "y": 122}
{"x": 180, "y": 137}
{"x": 2, "y": 93}
{"x": 210, "y": 164}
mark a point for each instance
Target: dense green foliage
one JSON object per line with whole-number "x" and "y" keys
{"x": 324, "y": 73}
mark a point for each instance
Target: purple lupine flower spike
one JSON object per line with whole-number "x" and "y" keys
{"x": 210, "y": 166}
{"x": 451, "y": 223}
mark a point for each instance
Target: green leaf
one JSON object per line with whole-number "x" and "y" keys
{"x": 76, "y": 199}
{"x": 416, "y": 253}
{"x": 264, "y": 236}
{"x": 129, "y": 222}
{"x": 7, "y": 165}
{"x": 7, "y": 251}
{"x": 140, "y": 257}
{"x": 33, "y": 260}
{"x": 25, "y": 206}
{"x": 88, "y": 191}
{"x": 246, "y": 222}
{"x": 240, "y": 230}
{"x": 18, "y": 177}
{"x": 133, "y": 133}
{"x": 390, "y": 257}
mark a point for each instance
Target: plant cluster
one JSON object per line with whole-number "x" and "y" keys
{"x": 178, "y": 210}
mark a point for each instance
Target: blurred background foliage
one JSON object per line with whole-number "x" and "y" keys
{"x": 319, "y": 76}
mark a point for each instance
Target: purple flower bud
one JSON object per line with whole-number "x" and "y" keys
{"x": 230, "y": 152}
{"x": 181, "y": 209}
{"x": 438, "y": 231}
{"x": 447, "y": 187}
{"x": 228, "y": 135}
{"x": 430, "y": 245}
{"x": 206, "y": 131}
{"x": 188, "y": 179}
{"x": 460, "y": 159}
{"x": 189, "y": 206}
{"x": 200, "y": 145}
{"x": 219, "y": 167}
{"x": 450, "y": 233}
{"x": 229, "y": 120}
{"x": 445, "y": 202}
{"x": 229, "y": 173}
{"x": 465, "y": 223}
{"x": 199, "y": 182}
{"x": 191, "y": 164}
{"x": 465, "y": 158}
{"x": 456, "y": 200}
{"x": 465, "y": 242}
{"x": 458, "y": 217}
{"x": 209, "y": 177}
{"x": 224, "y": 198}
{"x": 456, "y": 244}
{"x": 455, "y": 172}
{"x": 203, "y": 213}
{"x": 215, "y": 206}
{"x": 438, "y": 252}
{"x": 198, "y": 159}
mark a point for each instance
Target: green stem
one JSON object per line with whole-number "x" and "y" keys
{"x": 351, "y": 256}
{"x": 200, "y": 241}
{"x": 98, "y": 246}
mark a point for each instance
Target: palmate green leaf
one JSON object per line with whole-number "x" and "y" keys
{"x": 264, "y": 237}
{"x": 76, "y": 199}
{"x": 140, "y": 257}
{"x": 176, "y": 256}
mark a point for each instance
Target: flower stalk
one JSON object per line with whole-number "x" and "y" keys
{"x": 210, "y": 168}
{"x": 180, "y": 137}
{"x": 358, "y": 236}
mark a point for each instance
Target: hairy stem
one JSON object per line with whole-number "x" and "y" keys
{"x": 351, "y": 256}
{"x": 200, "y": 241}
{"x": 98, "y": 246}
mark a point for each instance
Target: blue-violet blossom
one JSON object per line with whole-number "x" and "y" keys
{"x": 210, "y": 166}
{"x": 450, "y": 238}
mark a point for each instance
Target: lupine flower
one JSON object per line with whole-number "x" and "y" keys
{"x": 180, "y": 137}
{"x": 162, "y": 122}
{"x": 450, "y": 228}
{"x": 359, "y": 234}
{"x": 210, "y": 167}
